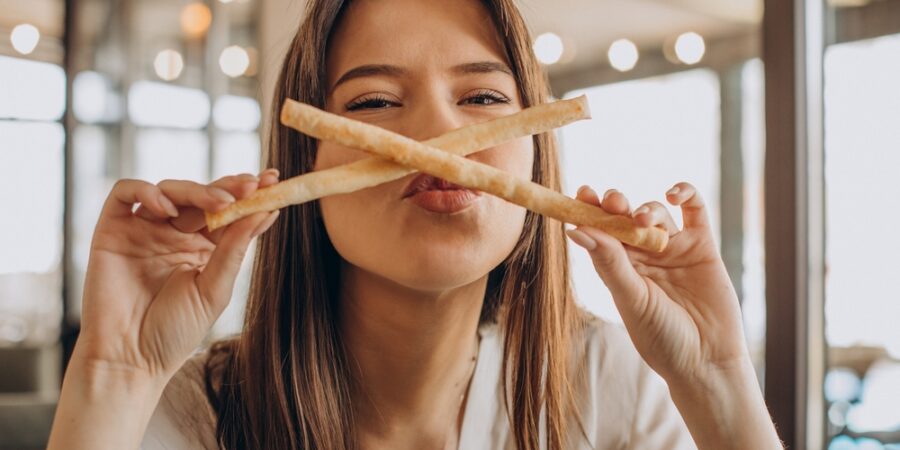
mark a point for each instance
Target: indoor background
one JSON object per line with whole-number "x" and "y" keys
{"x": 785, "y": 114}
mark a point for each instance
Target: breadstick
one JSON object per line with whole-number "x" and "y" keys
{"x": 374, "y": 171}
{"x": 471, "y": 174}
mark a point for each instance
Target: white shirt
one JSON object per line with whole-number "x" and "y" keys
{"x": 623, "y": 404}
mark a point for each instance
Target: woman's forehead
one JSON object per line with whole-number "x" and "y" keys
{"x": 433, "y": 35}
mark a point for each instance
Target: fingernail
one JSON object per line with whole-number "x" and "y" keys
{"x": 641, "y": 210}
{"x": 167, "y": 205}
{"x": 221, "y": 195}
{"x": 582, "y": 239}
{"x": 250, "y": 177}
{"x": 675, "y": 190}
{"x": 608, "y": 193}
{"x": 261, "y": 228}
{"x": 580, "y": 190}
{"x": 272, "y": 171}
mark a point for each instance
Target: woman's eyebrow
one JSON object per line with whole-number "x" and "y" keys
{"x": 370, "y": 70}
{"x": 481, "y": 67}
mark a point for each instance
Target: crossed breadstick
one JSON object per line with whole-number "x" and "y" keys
{"x": 441, "y": 157}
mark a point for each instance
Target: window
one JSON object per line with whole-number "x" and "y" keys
{"x": 862, "y": 150}
{"x": 32, "y": 99}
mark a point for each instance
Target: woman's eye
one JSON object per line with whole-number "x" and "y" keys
{"x": 371, "y": 103}
{"x": 485, "y": 98}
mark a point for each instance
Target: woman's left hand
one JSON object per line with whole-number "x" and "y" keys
{"x": 679, "y": 307}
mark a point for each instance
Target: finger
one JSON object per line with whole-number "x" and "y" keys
{"x": 613, "y": 265}
{"x": 693, "y": 208}
{"x": 614, "y": 202}
{"x": 193, "y": 194}
{"x": 653, "y": 214}
{"x": 239, "y": 186}
{"x": 216, "y": 281}
{"x": 126, "y": 193}
{"x": 192, "y": 220}
{"x": 587, "y": 195}
{"x": 268, "y": 177}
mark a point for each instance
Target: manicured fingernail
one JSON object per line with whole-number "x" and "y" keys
{"x": 675, "y": 190}
{"x": 167, "y": 205}
{"x": 641, "y": 210}
{"x": 582, "y": 239}
{"x": 221, "y": 195}
{"x": 608, "y": 193}
{"x": 261, "y": 228}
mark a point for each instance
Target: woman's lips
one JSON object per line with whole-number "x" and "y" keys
{"x": 438, "y": 195}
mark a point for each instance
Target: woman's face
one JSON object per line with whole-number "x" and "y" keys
{"x": 422, "y": 68}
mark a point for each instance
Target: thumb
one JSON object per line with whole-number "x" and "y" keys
{"x": 216, "y": 281}
{"x": 614, "y": 267}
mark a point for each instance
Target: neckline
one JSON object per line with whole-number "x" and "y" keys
{"x": 481, "y": 405}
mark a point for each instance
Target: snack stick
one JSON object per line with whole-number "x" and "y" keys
{"x": 374, "y": 171}
{"x": 471, "y": 174}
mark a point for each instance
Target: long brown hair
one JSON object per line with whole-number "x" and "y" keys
{"x": 285, "y": 383}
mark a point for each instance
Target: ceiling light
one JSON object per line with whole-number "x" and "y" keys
{"x": 623, "y": 55}
{"x": 25, "y": 38}
{"x": 548, "y": 48}
{"x": 689, "y": 47}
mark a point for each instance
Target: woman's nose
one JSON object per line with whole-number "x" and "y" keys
{"x": 431, "y": 119}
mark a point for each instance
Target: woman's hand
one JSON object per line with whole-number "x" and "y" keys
{"x": 156, "y": 282}
{"x": 683, "y": 315}
{"x": 679, "y": 305}
{"x": 157, "y": 279}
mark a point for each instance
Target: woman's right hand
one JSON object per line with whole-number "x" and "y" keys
{"x": 157, "y": 279}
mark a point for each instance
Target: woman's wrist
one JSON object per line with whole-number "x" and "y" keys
{"x": 100, "y": 378}
{"x": 724, "y": 408}
{"x": 103, "y": 405}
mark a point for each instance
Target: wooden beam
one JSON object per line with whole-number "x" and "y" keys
{"x": 720, "y": 54}
{"x": 793, "y": 40}
{"x": 866, "y": 22}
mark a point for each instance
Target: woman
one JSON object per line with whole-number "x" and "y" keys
{"x": 414, "y": 314}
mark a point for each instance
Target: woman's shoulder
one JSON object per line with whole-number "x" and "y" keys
{"x": 184, "y": 417}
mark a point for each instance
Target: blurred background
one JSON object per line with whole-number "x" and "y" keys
{"x": 785, "y": 114}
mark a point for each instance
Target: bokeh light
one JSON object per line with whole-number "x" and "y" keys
{"x": 623, "y": 55}
{"x": 195, "y": 19}
{"x": 548, "y": 48}
{"x": 168, "y": 64}
{"x": 690, "y": 48}
{"x": 25, "y": 38}
{"x": 234, "y": 61}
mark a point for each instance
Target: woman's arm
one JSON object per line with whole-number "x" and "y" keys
{"x": 725, "y": 409}
{"x": 683, "y": 315}
{"x": 155, "y": 284}
{"x": 103, "y": 407}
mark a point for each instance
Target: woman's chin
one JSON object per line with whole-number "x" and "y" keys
{"x": 436, "y": 283}
{"x": 436, "y": 273}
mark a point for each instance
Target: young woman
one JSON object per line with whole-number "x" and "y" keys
{"x": 414, "y": 314}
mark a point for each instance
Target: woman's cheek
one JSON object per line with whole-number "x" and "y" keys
{"x": 330, "y": 155}
{"x": 516, "y": 157}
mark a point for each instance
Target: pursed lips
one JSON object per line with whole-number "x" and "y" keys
{"x": 424, "y": 182}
